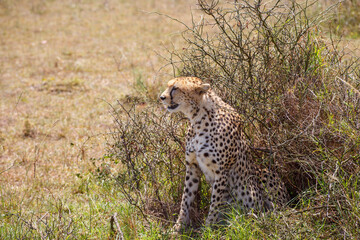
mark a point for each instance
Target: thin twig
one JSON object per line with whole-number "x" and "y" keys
{"x": 119, "y": 234}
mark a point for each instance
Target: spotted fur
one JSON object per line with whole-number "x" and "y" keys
{"x": 216, "y": 147}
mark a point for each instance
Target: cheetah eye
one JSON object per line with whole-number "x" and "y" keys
{"x": 172, "y": 91}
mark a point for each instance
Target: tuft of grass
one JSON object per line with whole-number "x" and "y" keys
{"x": 347, "y": 19}
{"x": 86, "y": 214}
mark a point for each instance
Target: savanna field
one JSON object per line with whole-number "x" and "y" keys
{"x": 87, "y": 151}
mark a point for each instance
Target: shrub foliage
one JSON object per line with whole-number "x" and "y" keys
{"x": 298, "y": 94}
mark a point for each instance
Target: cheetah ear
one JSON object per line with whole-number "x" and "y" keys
{"x": 203, "y": 88}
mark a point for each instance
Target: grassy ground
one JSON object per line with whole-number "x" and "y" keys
{"x": 60, "y": 63}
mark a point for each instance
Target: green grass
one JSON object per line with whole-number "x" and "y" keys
{"x": 85, "y": 215}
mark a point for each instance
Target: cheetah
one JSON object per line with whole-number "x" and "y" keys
{"x": 216, "y": 146}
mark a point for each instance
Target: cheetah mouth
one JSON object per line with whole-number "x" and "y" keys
{"x": 173, "y": 106}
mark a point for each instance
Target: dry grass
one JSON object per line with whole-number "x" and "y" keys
{"x": 59, "y": 61}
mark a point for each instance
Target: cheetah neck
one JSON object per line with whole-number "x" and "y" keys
{"x": 205, "y": 109}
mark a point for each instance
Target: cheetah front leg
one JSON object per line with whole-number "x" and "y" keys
{"x": 192, "y": 179}
{"x": 219, "y": 196}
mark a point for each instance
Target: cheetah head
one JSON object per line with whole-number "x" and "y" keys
{"x": 183, "y": 94}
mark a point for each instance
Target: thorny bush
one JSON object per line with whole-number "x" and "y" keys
{"x": 297, "y": 93}
{"x": 146, "y": 159}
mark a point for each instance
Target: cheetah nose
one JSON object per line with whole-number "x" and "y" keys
{"x": 162, "y": 97}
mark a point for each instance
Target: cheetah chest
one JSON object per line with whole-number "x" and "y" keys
{"x": 205, "y": 156}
